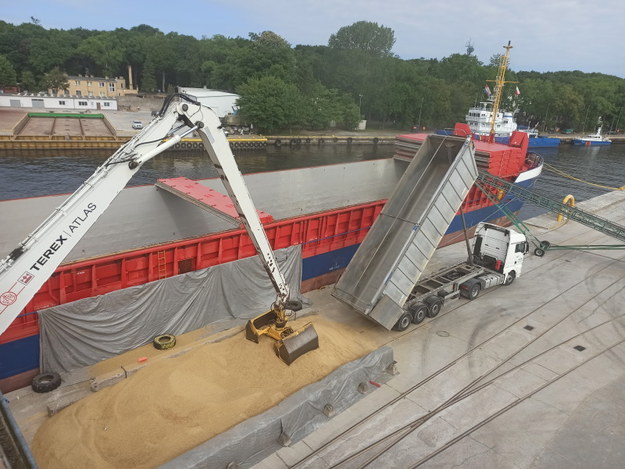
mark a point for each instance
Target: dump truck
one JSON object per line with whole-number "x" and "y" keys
{"x": 382, "y": 280}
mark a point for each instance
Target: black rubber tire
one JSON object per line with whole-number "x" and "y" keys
{"x": 46, "y": 382}
{"x": 278, "y": 142}
{"x": 539, "y": 252}
{"x": 376, "y": 140}
{"x": 403, "y": 322}
{"x": 349, "y": 140}
{"x": 474, "y": 291}
{"x": 510, "y": 278}
{"x": 545, "y": 245}
{"x": 434, "y": 304}
{"x": 293, "y": 305}
{"x": 419, "y": 312}
{"x": 164, "y": 342}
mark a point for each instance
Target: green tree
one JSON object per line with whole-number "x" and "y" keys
{"x": 322, "y": 106}
{"x": 55, "y": 80}
{"x": 270, "y": 103}
{"x": 28, "y": 81}
{"x": 326, "y": 83}
{"x": 365, "y": 36}
{"x": 104, "y": 51}
{"x": 568, "y": 107}
{"x": 53, "y": 49}
{"x": 8, "y": 76}
{"x": 461, "y": 68}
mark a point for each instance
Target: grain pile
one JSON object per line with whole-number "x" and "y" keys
{"x": 172, "y": 406}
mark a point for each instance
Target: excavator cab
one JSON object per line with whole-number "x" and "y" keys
{"x": 290, "y": 344}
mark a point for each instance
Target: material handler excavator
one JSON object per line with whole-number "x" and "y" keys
{"x": 29, "y": 265}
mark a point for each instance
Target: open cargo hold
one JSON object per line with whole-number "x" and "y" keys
{"x": 392, "y": 257}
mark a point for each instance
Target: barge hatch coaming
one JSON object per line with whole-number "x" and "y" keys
{"x": 144, "y": 216}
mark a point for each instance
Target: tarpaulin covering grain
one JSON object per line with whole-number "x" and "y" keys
{"x": 87, "y": 331}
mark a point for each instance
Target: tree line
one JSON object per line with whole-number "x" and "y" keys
{"x": 293, "y": 87}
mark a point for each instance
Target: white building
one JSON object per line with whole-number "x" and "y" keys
{"x": 44, "y": 101}
{"x": 222, "y": 102}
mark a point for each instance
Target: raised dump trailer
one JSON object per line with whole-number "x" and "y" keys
{"x": 382, "y": 274}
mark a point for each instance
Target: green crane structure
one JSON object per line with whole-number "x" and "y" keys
{"x": 485, "y": 181}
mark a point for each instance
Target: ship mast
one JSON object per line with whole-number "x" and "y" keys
{"x": 499, "y": 82}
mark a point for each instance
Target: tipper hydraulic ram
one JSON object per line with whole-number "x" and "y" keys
{"x": 29, "y": 265}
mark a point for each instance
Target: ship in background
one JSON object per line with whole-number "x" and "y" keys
{"x": 150, "y": 237}
{"x": 488, "y": 119}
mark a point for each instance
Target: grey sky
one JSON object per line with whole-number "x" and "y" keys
{"x": 548, "y": 35}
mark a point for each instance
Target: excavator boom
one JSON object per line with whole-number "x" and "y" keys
{"x": 36, "y": 258}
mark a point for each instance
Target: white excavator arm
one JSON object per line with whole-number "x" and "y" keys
{"x": 26, "y": 268}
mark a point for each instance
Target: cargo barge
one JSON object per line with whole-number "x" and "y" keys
{"x": 149, "y": 236}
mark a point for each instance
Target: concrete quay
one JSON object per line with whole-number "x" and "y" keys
{"x": 551, "y": 353}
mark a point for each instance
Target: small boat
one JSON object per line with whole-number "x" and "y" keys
{"x": 592, "y": 139}
{"x": 538, "y": 141}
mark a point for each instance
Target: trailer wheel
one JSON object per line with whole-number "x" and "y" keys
{"x": 403, "y": 322}
{"x": 474, "y": 291}
{"x": 419, "y": 312}
{"x": 539, "y": 252}
{"x": 46, "y": 382}
{"x": 510, "y": 278}
{"x": 434, "y": 304}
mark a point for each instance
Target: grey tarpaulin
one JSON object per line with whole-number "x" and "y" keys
{"x": 295, "y": 417}
{"x": 86, "y": 331}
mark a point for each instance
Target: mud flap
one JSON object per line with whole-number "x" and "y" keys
{"x": 293, "y": 346}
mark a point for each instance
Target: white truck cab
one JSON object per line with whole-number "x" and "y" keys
{"x": 500, "y": 249}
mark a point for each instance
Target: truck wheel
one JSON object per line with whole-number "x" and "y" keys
{"x": 403, "y": 322}
{"x": 474, "y": 291}
{"x": 419, "y": 312}
{"x": 510, "y": 278}
{"x": 46, "y": 382}
{"x": 434, "y": 304}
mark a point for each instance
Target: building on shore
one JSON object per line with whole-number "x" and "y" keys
{"x": 49, "y": 101}
{"x": 90, "y": 86}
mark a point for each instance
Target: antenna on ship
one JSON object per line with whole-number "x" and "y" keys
{"x": 499, "y": 82}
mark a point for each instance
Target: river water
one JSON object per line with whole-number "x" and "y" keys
{"x": 29, "y": 175}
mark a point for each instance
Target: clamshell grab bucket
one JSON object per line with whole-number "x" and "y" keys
{"x": 297, "y": 344}
{"x": 290, "y": 344}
